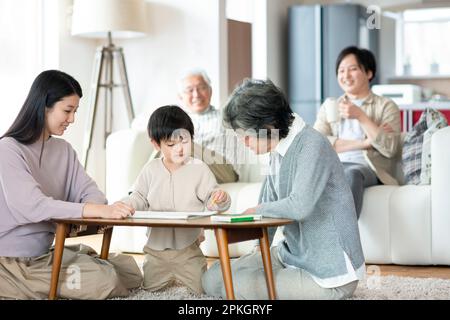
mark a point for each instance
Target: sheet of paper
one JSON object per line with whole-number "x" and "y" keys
{"x": 171, "y": 214}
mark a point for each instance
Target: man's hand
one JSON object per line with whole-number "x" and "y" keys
{"x": 387, "y": 128}
{"x": 350, "y": 111}
{"x": 367, "y": 143}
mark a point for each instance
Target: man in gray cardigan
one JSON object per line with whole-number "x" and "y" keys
{"x": 320, "y": 256}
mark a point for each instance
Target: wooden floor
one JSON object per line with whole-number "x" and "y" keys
{"x": 442, "y": 272}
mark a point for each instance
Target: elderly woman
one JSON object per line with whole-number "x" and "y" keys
{"x": 41, "y": 179}
{"x": 366, "y": 137}
{"x": 320, "y": 256}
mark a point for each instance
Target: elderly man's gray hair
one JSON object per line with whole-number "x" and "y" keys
{"x": 192, "y": 73}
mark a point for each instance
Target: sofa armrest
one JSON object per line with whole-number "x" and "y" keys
{"x": 440, "y": 198}
{"x": 127, "y": 151}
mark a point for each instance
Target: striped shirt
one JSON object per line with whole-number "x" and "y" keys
{"x": 208, "y": 129}
{"x": 210, "y": 133}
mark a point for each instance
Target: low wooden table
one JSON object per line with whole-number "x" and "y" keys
{"x": 226, "y": 233}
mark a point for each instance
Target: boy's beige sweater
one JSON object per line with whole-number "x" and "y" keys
{"x": 186, "y": 189}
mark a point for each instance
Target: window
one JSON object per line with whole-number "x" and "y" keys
{"x": 20, "y": 54}
{"x": 426, "y": 49}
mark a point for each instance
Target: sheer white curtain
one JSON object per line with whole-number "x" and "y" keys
{"x": 425, "y": 40}
{"x": 20, "y": 54}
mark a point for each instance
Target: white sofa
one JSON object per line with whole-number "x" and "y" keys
{"x": 406, "y": 224}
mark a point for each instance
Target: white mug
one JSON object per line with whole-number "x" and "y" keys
{"x": 331, "y": 106}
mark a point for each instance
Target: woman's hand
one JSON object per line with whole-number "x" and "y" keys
{"x": 250, "y": 210}
{"x": 117, "y": 210}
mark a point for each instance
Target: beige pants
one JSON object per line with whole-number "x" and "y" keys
{"x": 83, "y": 275}
{"x": 164, "y": 267}
{"x": 223, "y": 171}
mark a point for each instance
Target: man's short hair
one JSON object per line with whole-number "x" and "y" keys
{"x": 166, "y": 121}
{"x": 192, "y": 73}
{"x": 366, "y": 59}
{"x": 257, "y": 105}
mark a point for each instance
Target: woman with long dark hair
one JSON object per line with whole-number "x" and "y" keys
{"x": 41, "y": 179}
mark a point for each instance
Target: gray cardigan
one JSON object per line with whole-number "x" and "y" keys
{"x": 313, "y": 192}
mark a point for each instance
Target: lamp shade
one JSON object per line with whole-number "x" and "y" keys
{"x": 95, "y": 18}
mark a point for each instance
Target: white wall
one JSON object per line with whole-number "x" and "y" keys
{"x": 182, "y": 34}
{"x": 20, "y": 59}
{"x": 241, "y": 10}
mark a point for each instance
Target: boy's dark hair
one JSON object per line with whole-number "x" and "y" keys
{"x": 165, "y": 120}
{"x": 366, "y": 59}
{"x": 256, "y": 105}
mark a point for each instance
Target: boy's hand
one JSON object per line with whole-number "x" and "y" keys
{"x": 217, "y": 198}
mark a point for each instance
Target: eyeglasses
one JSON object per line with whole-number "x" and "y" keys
{"x": 201, "y": 88}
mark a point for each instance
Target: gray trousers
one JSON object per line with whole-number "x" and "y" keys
{"x": 249, "y": 281}
{"x": 359, "y": 177}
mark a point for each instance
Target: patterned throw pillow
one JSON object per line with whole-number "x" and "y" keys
{"x": 435, "y": 121}
{"x": 416, "y": 154}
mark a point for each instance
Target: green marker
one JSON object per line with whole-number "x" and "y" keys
{"x": 229, "y": 218}
{"x": 241, "y": 219}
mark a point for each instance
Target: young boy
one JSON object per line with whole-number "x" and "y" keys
{"x": 175, "y": 182}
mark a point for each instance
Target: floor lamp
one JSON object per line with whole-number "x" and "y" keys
{"x": 118, "y": 19}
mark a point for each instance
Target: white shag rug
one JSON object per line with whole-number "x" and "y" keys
{"x": 372, "y": 288}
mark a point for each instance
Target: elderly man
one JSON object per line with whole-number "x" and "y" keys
{"x": 194, "y": 92}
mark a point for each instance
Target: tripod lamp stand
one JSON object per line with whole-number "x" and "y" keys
{"x": 118, "y": 19}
